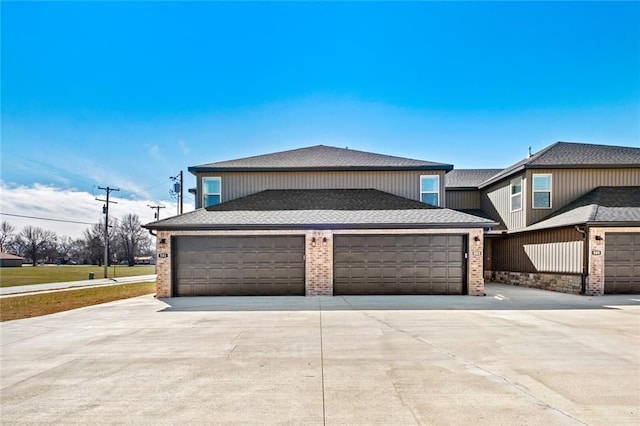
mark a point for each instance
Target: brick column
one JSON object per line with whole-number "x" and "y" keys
{"x": 163, "y": 264}
{"x": 475, "y": 273}
{"x": 595, "y": 283}
{"x": 319, "y": 263}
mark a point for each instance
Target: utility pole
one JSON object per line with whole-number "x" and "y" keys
{"x": 178, "y": 189}
{"x": 105, "y": 211}
{"x": 156, "y": 215}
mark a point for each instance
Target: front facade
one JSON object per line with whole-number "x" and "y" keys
{"x": 332, "y": 221}
{"x": 320, "y": 221}
{"x": 569, "y": 219}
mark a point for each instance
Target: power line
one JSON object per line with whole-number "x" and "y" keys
{"x": 46, "y": 218}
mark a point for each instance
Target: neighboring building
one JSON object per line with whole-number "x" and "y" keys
{"x": 569, "y": 218}
{"x": 8, "y": 260}
{"x": 320, "y": 221}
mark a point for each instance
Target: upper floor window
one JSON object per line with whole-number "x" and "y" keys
{"x": 430, "y": 190}
{"x": 516, "y": 194}
{"x": 211, "y": 191}
{"x": 541, "y": 191}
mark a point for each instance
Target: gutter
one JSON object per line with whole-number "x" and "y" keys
{"x": 311, "y": 226}
{"x": 204, "y": 169}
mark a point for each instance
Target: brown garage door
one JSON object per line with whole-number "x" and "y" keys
{"x": 239, "y": 266}
{"x": 622, "y": 263}
{"x": 399, "y": 264}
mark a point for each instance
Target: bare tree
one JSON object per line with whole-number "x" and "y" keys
{"x": 131, "y": 236}
{"x": 6, "y": 235}
{"x": 64, "y": 247}
{"x": 35, "y": 242}
{"x": 94, "y": 241}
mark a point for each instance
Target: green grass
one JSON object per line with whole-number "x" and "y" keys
{"x": 34, "y": 305}
{"x": 27, "y": 275}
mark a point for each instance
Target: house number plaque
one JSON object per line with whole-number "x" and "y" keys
{"x": 163, "y": 255}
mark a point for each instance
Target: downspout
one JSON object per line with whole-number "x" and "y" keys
{"x": 155, "y": 234}
{"x": 585, "y": 257}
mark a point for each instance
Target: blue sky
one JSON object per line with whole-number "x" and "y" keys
{"x": 127, "y": 94}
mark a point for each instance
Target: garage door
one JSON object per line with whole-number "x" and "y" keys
{"x": 622, "y": 263}
{"x": 238, "y": 266}
{"x": 399, "y": 264}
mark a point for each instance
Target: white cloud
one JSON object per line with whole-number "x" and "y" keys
{"x": 183, "y": 147}
{"x": 154, "y": 151}
{"x": 50, "y": 202}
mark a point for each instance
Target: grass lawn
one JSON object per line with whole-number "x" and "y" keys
{"x": 33, "y": 305}
{"x": 56, "y": 274}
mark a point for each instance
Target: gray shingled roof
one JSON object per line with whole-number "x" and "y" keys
{"x": 603, "y": 205}
{"x": 9, "y": 256}
{"x": 321, "y": 157}
{"x": 391, "y": 212}
{"x": 468, "y": 178}
{"x": 574, "y": 155}
{"x": 320, "y": 199}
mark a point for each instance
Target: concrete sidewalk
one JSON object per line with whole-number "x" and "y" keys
{"x": 4, "y": 291}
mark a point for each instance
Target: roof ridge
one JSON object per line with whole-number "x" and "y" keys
{"x": 538, "y": 155}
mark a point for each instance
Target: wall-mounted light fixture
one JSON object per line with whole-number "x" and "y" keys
{"x": 313, "y": 241}
{"x": 476, "y": 238}
{"x": 324, "y": 241}
{"x": 598, "y": 238}
{"x": 163, "y": 240}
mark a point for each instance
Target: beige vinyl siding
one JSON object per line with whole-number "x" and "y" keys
{"x": 463, "y": 199}
{"x": 402, "y": 183}
{"x": 554, "y": 251}
{"x": 570, "y": 184}
{"x": 496, "y": 201}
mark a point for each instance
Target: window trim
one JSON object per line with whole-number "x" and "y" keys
{"x": 205, "y": 193}
{"x": 512, "y": 195}
{"x": 437, "y": 177}
{"x": 534, "y": 191}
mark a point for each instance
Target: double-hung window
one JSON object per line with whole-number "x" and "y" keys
{"x": 430, "y": 189}
{"x": 211, "y": 191}
{"x": 516, "y": 194}
{"x": 541, "y": 191}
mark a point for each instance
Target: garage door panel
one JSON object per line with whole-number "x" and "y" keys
{"x": 439, "y": 272}
{"x": 440, "y": 257}
{"x": 622, "y": 263}
{"x": 200, "y": 273}
{"x": 408, "y": 264}
{"x": 230, "y": 265}
{"x": 454, "y": 273}
{"x": 407, "y": 272}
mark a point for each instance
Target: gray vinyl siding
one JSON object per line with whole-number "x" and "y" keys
{"x": 496, "y": 202}
{"x": 463, "y": 199}
{"x": 553, "y": 251}
{"x": 569, "y": 184}
{"x": 402, "y": 183}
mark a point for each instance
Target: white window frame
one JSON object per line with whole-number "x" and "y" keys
{"x": 512, "y": 195}
{"x": 437, "y": 192}
{"x": 205, "y": 193}
{"x": 534, "y": 191}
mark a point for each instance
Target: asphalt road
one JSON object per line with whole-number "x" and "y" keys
{"x": 515, "y": 357}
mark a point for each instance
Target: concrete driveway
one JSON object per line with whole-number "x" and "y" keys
{"x": 517, "y": 356}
